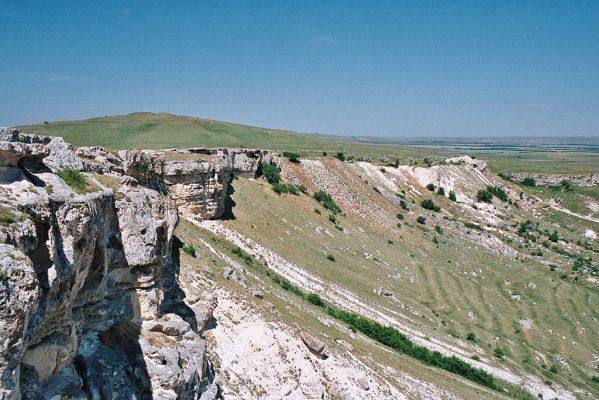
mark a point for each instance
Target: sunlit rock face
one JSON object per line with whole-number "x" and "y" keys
{"x": 88, "y": 281}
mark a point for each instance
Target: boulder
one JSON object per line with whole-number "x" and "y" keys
{"x": 315, "y": 345}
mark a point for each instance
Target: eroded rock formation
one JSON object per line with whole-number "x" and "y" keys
{"x": 89, "y": 299}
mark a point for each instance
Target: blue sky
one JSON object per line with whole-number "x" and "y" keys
{"x": 459, "y": 68}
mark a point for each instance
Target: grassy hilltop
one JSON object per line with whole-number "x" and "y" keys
{"x": 163, "y": 130}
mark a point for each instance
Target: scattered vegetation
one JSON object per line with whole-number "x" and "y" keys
{"x": 528, "y": 181}
{"x": 486, "y": 195}
{"x": 271, "y": 173}
{"x": 282, "y": 188}
{"x": 292, "y": 156}
{"x": 430, "y": 205}
{"x": 7, "y": 217}
{"x": 238, "y": 251}
{"x": 73, "y": 178}
{"x": 327, "y": 201}
{"x": 189, "y": 249}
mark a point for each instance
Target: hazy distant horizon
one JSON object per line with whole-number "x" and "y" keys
{"x": 385, "y": 69}
{"x": 389, "y": 138}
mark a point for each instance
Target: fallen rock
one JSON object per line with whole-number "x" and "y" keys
{"x": 315, "y": 345}
{"x": 257, "y": 293}
{"x": 363, "y": 383}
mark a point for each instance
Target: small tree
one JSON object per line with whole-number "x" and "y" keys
{"x": 421, "y": 220}
{"x": 430, "y": 187}
{"x": 452, "y": 196}
{"x": 341, "y": 156}
{"x": 441, "y": 191}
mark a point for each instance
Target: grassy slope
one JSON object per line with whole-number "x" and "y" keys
{"x": 162, "y": 130}
{"x": 445, "y": 288}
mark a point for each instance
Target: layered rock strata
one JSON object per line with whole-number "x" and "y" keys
{"x": 89, "y": 300}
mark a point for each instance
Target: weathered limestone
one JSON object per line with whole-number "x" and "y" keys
{"x": 200, "y": 187}
{"x": 88, "y": 282}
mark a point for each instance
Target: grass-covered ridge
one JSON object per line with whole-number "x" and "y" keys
{"x": 164, "y": 130}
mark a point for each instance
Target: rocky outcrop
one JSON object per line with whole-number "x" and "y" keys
{"x": 200, "y": 187}
{"x": 556, "y": 180}
{"x": 89, "y": 299}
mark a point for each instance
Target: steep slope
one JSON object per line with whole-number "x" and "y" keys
{"x": 185, "y": 272}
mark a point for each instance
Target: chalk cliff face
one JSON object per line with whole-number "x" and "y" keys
{"x": 89, "y": 299}
{"x": 200, "y": 187}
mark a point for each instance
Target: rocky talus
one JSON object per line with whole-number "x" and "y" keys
{"x": 90, "y": 303}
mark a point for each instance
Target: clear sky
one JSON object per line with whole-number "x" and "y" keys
{"x": 442, "y": 68}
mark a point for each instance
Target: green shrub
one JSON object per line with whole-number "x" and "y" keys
{"x": 340, "y": 156}
{"x": 435, "y": 240}
{"x": 281, "y": 188}
{"x": 452, "y": 196}
{"x": 302, "y": 188}
{"x": 292, "y": 156}
{"x": 317, "y": 211}
{"x": 430, "y": 205}
{"x": 400, "y": 216}
{"x": 285, "y": 284}
{"x": 271, "y": 173}
{"x": 404, "y": 205}
{"x": 528, "y": 181}
{"x": 484, "y": 196}
{"x": 324, "y": 154}
{"x": 392, "y": 338}
{"x": 554, "y": 237}
{"x": 189, "y": 250}
{"x": 73, "y": 178}
{"x": 498, "y": 192}
{"x": 7, "y": 217}
{"x": 315, "y": 299}
{"x": 567, "y": 185}
{"x": 421, "y": 220}
{"x": 430, "y": 187}
{"x": 499, "y": 352}
{"x": 330, "y": 257}
{"x": 595, "y": 379}
{"x": 438, "y": 229}
{"x": 49, "y": 188}
{"x": 3, "y": 276}
{"x": 389, "y": 241}
{"x": 554, "y": 368}
{"x": 471, "y": 337}
{"x": 327, "y": 201}
{"x": 476, "y": 357}
{"x": 238, "y": 251}
{"x": 333, "y": 218}
{"x": 441, "y": 191}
